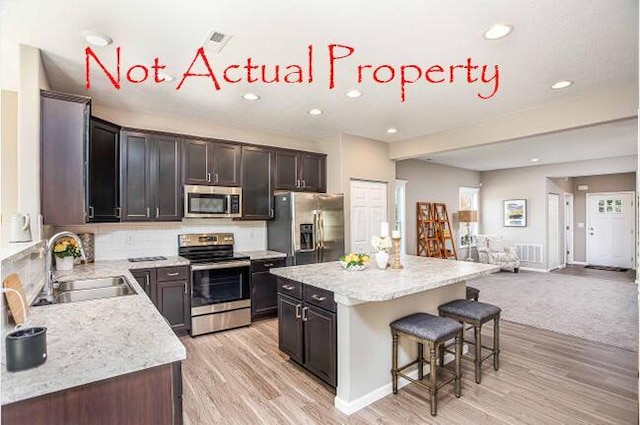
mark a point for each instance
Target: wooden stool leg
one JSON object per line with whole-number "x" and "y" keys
{"x": 394, "y": 367}
{"x": 458, "y": 358}
{"x": 478, "y": 358}
{"x": 496, "y": 343}
{"x": 433, "y": 382}
{"x": 420, "y": 361}
{"x": 441, "y": 354}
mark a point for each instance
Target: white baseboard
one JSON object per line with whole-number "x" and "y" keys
{"x": 532, "y": 269}
{"x": 349, "y": 408}
{"x": 580, "y": 263}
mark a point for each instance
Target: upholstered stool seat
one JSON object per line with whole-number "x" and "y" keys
{"x": 476, "y": 314}
{"x": 473, "y": 293}
{"x": 434, "y": 331}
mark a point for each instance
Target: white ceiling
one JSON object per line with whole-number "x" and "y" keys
{"x": 610, "y": 140}
{"x": 595, "y": 45}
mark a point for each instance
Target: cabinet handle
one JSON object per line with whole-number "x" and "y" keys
{"x": 287, "y": 287}
{"x": 185, "y": 287}
{"x": 272, "y": 212}
{"x": 209, "y": 177}
{"x": 305, "y": 314}
{"x": 298, "y": 310}
{"x": 318, "y": 297}
{"x": 146, "y": 280}
{"x": 91, "y": 212}
{"x": 157, "y": 212}
{"x": 304, "y": 183}
{"x": 297, "y": 183}
{"x": 173, "y": 274}
{"x": 118, "y": 212}
{"x": 267, "y": 265}
{"x": 217, "y": 178}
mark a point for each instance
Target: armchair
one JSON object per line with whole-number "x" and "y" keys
{"x": 494, "y": 250}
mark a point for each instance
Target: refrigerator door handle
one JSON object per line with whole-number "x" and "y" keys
{"x": 321, "y": 234}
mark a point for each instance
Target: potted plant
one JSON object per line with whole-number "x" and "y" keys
{"x": 382, "y": 246}
{"x": 66, "y": 250}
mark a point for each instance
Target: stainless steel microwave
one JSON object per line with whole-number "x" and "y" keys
{"x": 212, "y": 202}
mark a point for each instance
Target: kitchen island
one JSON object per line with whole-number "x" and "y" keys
{"x": 366, "y": 302}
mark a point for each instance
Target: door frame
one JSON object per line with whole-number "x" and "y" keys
{"x": 633, "y": 221}
{"x": 559, "y": 246}
{"x": 569, "y": 241}
{"x": 401, "y": 212}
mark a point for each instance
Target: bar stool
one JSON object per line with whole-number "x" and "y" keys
{"x": 473, "y": 293}
{"x": 433, "y": 331}
{"x": 476, "y": 314}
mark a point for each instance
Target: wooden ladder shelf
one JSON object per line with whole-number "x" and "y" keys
{"x": 434, "y": 235}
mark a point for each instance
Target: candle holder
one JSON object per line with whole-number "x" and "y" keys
{"x": 396, "y": 254}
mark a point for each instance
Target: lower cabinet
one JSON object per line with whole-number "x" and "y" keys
{"x": 169, "y": 289}
{"x": 264, "y": 288}
{"x": 307, "y": 328}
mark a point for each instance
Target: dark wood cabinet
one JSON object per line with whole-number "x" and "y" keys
{"x": 146, "y": 279}
{"x": 64, "y": 137}
{"x": 300, "y": 171}
{"x": 258, "y": 165}
{"x": 103, "y": 171}
{"x": 307, "y": 329}
{"x": 151, "y": 189}
{"x": 212, "y": 163}
{"x": 264, "y": 288}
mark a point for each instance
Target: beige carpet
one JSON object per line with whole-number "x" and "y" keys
{"x": 586, "y": 307}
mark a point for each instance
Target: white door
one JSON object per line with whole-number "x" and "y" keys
{"x": 553, "y": 223}
{"x": 610, "y": 229}
{"x": 368, "y": 210}
{"x": 568, "y": 228}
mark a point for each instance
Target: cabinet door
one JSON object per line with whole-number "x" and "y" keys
{"x": 145, "y": 278}
{"x": 173, "y": 303}
{"x": 104, "y": 172}
{"x": 264, "y": 295}
{"x": 320, "y": 343}
{"x": 166, "y": 178}
{"x": 290, "y": 327}
{"x": 135, "y": 166}
{"x": 226, "y": 164}
{"x": 197, "y": 169}
{"x": 287, "y": 170}
{"x": 312, "y": 175}
{"x": 257, "y": 183}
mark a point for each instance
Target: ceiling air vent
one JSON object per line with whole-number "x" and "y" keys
{"x": 216, "y": 41}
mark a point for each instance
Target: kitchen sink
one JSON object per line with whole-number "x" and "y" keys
{"x": 91, "y": 289}
{"x": 104, "y": 282}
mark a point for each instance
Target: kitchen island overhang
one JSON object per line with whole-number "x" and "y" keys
{"x": 367, "y": 301}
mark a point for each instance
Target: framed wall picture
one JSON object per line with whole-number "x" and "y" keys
{"x": 515, "y": 212}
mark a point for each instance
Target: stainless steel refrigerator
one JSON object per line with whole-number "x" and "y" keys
{"x": 308, "y": 227}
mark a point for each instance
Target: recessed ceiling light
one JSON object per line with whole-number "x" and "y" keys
{"x": 392, "y": 130}
{"x": 315, "y": 111}
{"x": 252, "y": 97}
{"x": 498, "y": 31}
{"x": 535, "y": 159}
{"x": 97, "y": 39}
{"x": 561, "y": 84}
{"x": 166, "y": 77}
{"x": 354, "y": 93}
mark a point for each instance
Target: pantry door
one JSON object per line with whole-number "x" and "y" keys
{"x": 368, "y": 210}
{"x": 611, "y": 229}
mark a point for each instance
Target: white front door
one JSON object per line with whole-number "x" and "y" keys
{"x": 553, "y": 223}
{"x": 610, "y": 229}
{"x": 368, "y": 210}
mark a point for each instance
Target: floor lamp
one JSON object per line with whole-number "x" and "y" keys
{"x": 468, "y": 217}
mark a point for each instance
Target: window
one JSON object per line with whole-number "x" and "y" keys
{"x": 610, "y": 206}
{"x": 401, "y": 190}
{"x": 468, "y": 201}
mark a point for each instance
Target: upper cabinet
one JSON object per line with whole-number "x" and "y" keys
{"x": 64, "y": 123}
{"x": 300, "y": 171}
{"x": 103, "y": 169}
{"x": 212, "y": 163}
{"x": 257, "y": 183}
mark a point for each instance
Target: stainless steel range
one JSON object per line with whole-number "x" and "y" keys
{"x": 220, "y": 280}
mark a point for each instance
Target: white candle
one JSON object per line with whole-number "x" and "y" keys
{"x": 395, "y": 234}
{"x": 384, "y": 229}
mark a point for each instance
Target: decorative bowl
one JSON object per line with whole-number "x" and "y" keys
{"x": 353, "y": 267}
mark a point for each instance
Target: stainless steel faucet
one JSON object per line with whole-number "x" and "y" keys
{"x": 48, "y": 293}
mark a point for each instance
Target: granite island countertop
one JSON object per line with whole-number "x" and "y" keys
{"x": 418, "y": 275}
{"x": 89, "y": 341}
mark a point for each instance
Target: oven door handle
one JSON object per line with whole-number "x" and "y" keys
{"x": 216, "y": 266}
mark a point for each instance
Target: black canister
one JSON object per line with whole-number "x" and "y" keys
{"x": 26, "y": 348}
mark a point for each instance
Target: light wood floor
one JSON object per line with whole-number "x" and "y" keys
{"x": 240, "y": 377}
{"x": 574, "y": 270}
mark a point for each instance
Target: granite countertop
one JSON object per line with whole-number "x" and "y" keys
{"x": 89, "y": 341}
{"x": 418, "y": 275}
{"x": 263, "y": 254}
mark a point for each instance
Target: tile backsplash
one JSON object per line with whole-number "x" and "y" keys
{"x": 115, "y": 241}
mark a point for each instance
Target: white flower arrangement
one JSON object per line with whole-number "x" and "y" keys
{"x": 381, "y": 244}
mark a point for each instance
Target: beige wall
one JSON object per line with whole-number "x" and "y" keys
{"x": 621, "y": 182}
{"x": 436, "y": 183}
{"x": 143, "y": 120}
{"x": 9, "y": 158}
{"x": 531, "y": 183}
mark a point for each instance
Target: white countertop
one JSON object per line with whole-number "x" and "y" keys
{"x": 89, "y": 341}
{"x": 263, "y": 254}
{"x": 418, "y": 275}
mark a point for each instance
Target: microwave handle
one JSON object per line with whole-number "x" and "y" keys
{"x": 228, "y": 204}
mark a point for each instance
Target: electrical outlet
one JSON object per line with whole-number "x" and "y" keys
{"x": 130, "y": 240}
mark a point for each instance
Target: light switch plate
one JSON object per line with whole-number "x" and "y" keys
{"x": 581, "y": 225}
